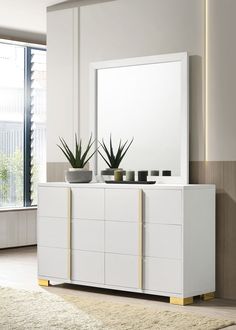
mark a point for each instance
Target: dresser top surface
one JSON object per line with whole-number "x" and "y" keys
{"x": 127, "y": 186}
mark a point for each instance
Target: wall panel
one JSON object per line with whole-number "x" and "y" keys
{"x": 17, "y": 228}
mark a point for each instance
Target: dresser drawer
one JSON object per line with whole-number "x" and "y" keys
{"x": 53, "y": 202}
{"x": 53, "y": 262}
{"x": 88, "y": 203}
{"x": 163, "y": 241}
{"x": 164, "y": 275}
{"x": 122, "y": 204}
{"x": 121, "y": 270}
{"x": 88, "y": 266}
{"x": 88, "y": 235}
{"x": 52, "y": 232}
{"x": 163, "y": 206}
{"x": 121, "y": 237}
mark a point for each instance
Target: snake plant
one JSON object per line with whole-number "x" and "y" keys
{"x": 113, "y": 159}
{"x": 78, "y": 159}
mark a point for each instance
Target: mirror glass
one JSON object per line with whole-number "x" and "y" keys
{"x": 143, "y": 101}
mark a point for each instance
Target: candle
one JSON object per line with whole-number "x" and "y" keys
{"x": 166, "y": 173}
{"x": 118, "y": 175}
{"x": 142, "y": 175}
{"x": 154, "y": 173}
{"x": 129, "y": 175}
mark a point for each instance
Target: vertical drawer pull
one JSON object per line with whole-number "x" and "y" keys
{"x": 140, "y": 252}
{"x": 69, "y": 234}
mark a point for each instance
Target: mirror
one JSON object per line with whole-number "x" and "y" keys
{"x": 145, "y": 99}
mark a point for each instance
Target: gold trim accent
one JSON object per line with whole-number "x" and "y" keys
{"x": 206, "y": 75}
{"x": 140, "y": 240}
{"x": 42, "y": 282}
{"x": 69, "y": 235}
{"x": 208, "y": 296}
{"x": 181, "y": 301}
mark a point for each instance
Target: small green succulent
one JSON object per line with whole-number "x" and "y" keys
{"x": 112, "y": 159}
{"x": 78, "y": 159}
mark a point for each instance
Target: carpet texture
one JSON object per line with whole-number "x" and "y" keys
{"x": 21, "y": 310}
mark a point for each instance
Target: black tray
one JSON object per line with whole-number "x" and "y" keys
{"x": 132, "y": 182}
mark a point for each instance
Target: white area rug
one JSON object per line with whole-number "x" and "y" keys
{"x": 21, "y": 310}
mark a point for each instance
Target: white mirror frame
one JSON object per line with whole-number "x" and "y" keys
{"x": 176, "y": 57}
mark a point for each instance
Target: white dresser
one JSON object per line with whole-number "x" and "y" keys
{"x": 156, "y": 239}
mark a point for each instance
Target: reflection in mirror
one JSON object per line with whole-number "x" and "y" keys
{"x": 136, "y": 101}
{"x": 144, "y": 101}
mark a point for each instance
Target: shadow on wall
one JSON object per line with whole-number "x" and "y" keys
{"x": 196, "y": 109}
{"x": 223, "y": 174}
{"x": 75, "y": 3}
{"x": 23, "y": 36}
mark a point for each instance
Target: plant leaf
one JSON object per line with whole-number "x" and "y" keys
{"x": 66, "y": 155}
{"x": 109, "y": 165}
{"x": 112, "y": 156}
{"x": 77, "y": 151}
{"x": 103, "y": 145}
{"x": 119, "y": 152}
{"x": 83, "y": 158}
{"x": 78, "y": 159}
{"x": 68, "y": 152}
{"x": 122, "y": 156}
{"x": 89, "y": 157}
{"x": 111, "y": 159}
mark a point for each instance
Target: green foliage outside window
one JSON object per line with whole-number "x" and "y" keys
{"x": 11, "y": 178}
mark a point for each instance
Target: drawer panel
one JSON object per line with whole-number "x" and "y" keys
{"x": 88, "y": 235}
{"x": 163, "y": 275}
{"x": 53, "y": 232}
{"x": 88, "y": 203}
{"x": 121, "y": 237}
{"x": 122, "y": 204}
{"x": 121, "y": 270}
{"x": 53, "y": 262}
{"x": 164, "y": 241}
{"x": 88, "y": 266}
{"x": 163, "y": 206}
{"x": 53, "y": 202}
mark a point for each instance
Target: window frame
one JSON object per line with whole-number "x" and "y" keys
{"x": 28, "y": 47}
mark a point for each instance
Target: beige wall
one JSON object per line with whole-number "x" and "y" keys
{"x": 220, "y": 168}
{"x": 62, "y": 80}
{"x": 131, "y": 28}
{"x": 113, "y": 30}
{"x": 63, "y": 91}
{"x": 126, "y": 28}
{"x": 222, "y": 80}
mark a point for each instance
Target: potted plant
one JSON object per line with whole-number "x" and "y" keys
{"x": 77, "y": 173}
{"x": 113, "y": 159}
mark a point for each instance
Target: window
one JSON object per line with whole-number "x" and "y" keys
{"x": 22, "y": 123}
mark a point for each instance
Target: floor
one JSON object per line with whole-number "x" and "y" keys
{"x": 18, "y": 269}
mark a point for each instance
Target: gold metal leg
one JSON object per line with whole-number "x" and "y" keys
{"x": 42, "y": 282}
{"x": 181, "y": 301}
{"x": 208, "y": 296}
